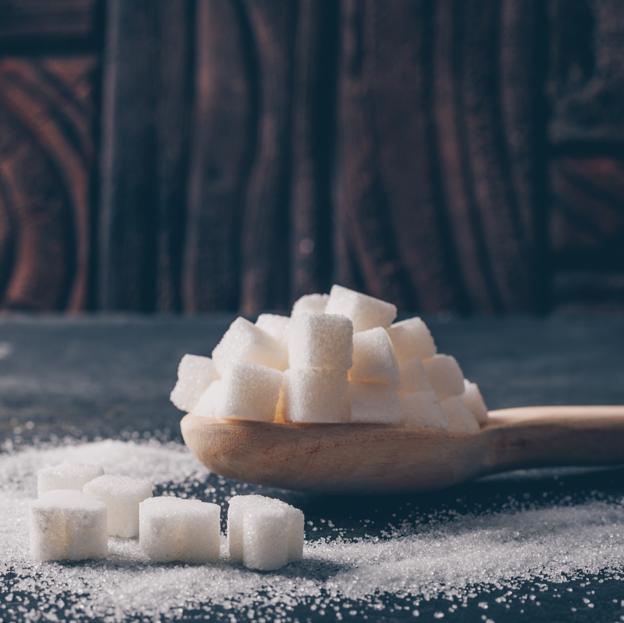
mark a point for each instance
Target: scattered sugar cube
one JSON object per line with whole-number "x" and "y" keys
{"x": 421, "y": 409}
{"x": 122, "y": 496}
{"x": 459, "y": 418}
{"x": 320, "y": 341}
{"x": 174, "y": 529}
{"x": 247, "y": 343}
{"x": 373, "y": 358}
{"x": 316, "y": 395}
{"x": 195, "y": 374}
{"x": 67, "y": 524}
{"x": 66, "y": 476}
{"x": 209, "y": 401}
{"x": 264, "y": 545}
{"x": 411, "y": 338}
{"x": 373, "y": 403}
{"x": 310, "y": 304}
{"x": 445, "y": 375}
{"x": 474, "y": 401}
{"x": 413, "y": 377}
{"x": 276, "y": 326}
{"x": 366, "y": 312}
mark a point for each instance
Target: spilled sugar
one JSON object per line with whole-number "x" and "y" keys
{"x": 432, "y": 556}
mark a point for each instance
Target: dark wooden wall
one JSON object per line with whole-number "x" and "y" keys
{"x": 195, "y": 155}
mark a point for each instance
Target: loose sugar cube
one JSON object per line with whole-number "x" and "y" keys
{"x": 276, "y": 326}
{"x": 413, "y": 377}
{"x": 67, "y": 525}
{"x": 315, "y": 395}
{"x": 474, "y": 401}
{"x": 366, "y": 312}
{"x": 459, "y": 418}
{"x": 249, "y": 392}
{"x": 320, "y": 341}
{"x": 173, "y": 529}
{"x": 247, "y": 343}
{"x": 310, "y": 304}
{"x": 422, "y": 410}
{"x": 373, "y": 358}
{"x": 122, "y": 496}
{"x": 209, "y": 401}
{"x": 372, "y": 403}
{"x": 66, "y": 476}
{"x": 195, "y": 374}
{"x": 264, "y": 545}
{"x": 411, "y": 338}
{"x": 445, "y": 375}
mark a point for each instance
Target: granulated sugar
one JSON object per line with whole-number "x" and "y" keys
{"x": 435, "y": 557}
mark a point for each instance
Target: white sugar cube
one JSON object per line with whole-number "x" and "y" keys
{"x": 373, "y": 358}
{"x": 247, "y": 343}
{"x": 459, "y": 418}
{"x": 474, "y": 401}
{"x": 209, "y": 401}
{"x": 422, "y": 410}
{"x": 445, "y": 375}
{"x": 122, "y": 496}
{"x": 366, "y": 312}
{"x": 67, "y": 525}
{"x": 373, "y": 403}
{"x": 320, "y": 341}
{"x": 411, "y": 338}
{"x": 195, "y": 374}
{"x": 413, "y": 377}
{"x": 276, "y": 326}
{"x": 316, "y": 395}
{"x": 66, "y": 476}
{"x": 310, "y": 304}
{"x": 174, "y": 529}
{"x": 264, "y": 545}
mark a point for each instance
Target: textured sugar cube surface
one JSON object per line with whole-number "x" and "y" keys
{"x": 413, "y": 377}
{"x": 316, "y": 395}
{"x": 66, "y": 475}
{"x": 422, "y": 410}
{"x": 366, "y": 312}
{"x": 373, "y": 358}
{"x": 474, "y": 401}
{"x": 459, "y": 418}
{"x": 122, "y": 496}
{"x": 412, "y": 338}
{"x": 209, "y": 401}
{"x": 195, "y": 374}
{"x": 372, "y": 403}
{"x": 247, "y": 343}
{"x": 320, "y": 341}
{"x": 276, "y": 326}
{"x": 265, "y": 546}
{"x": 249, "y": 392}
{"x": 175, "y": 529}
{"x": 310, "y": 304}
{"x": 67, "y": 525}
{"x": 445, "y": 376}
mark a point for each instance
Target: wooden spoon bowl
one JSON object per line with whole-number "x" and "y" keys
{"x": 374, "y": 458}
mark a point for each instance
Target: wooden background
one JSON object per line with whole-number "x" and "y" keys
{"x": 196, "y": 155}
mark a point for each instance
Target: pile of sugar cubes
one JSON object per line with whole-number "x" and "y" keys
{"x": 79, "y": 507}
{"x": 338, "y": 358}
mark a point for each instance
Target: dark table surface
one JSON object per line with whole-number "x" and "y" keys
{"x": 110, "y": 377}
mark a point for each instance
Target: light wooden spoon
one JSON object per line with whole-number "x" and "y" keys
{"x": 373, "y": 458}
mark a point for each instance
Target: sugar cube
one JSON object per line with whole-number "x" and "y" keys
{"x": 445, "y": 375}
{"x": 122, "y": 496}
{"x": 366, "y": 312}
{"x": 411, "y": 338}
{"x": 373, "y": 358}
{"x": 320, "y": 341}
{"x": 310, "y": 304}
{"x": 276, "y": 326}
{"x": 209, "y": 401}
{"x": 66, "y": 476}
{"x": 175, "y": 529}
{"x": 67, "y": 524}
{"x": 264, "y": 545}
{"x": 316, "y": 395}
{"x": 421, "y": 410}
{"x": 245, "y": 342}
{"x": 195, "y": 373}
{"x": 474, "y": 401}
{"x": 459, "y": 418}
{"x": 373, "y": 403}
{"x": 413, "y": 377}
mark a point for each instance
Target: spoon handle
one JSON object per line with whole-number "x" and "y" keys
{"x": 554, "y": 436}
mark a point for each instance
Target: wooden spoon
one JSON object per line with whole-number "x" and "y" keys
{"x": 373, "y": 458}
